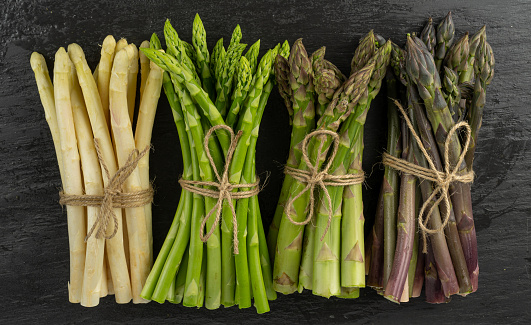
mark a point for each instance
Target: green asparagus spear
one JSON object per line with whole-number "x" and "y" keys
{"x": 428, "y": 36}
{"x": 445, "y": 37}
{"x": 202, "y": 56}
{"x": 301, "y": 84}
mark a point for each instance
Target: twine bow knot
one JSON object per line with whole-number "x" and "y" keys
{"x": 224, "y": 187}
{"x": 318, "y": 177}
{"x": 112, "y": 194}
{"x": 441, "y": 179}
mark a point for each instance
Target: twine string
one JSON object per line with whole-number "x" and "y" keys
{"x": 441, "y": 179}
{"x": 112, "y": 197}
{"x": 224, "y": 189}
{"x": 318, "y": 177}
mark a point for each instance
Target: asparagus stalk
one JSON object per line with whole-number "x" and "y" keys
{"x": 405, "y": 226}
{"x": 249, "y": 221}
{"x": 433, "y": 290}
{"x": 246, "y": 125}
{"x": 451, "y": 93}
{"x": 300, "y": 83}
{"x": 473, "y": 44}
{"x": 144, "y": 68}
{"x": 353, "y": 259}
{"x": 216, "y": 61}
{"x": 71, "y": 166}
{"x": 144, "y": 127}
{"x": 390, "y": 185}
{"x": 180, "y": 280}
{"x": 132, "y": 73}
{"x": 375, "y": 274}
{"x": 122, "y": 42}
{"x": 46, "y": 93}
{"x": 429, "y": 37}
{"x": 418, "y": 281}
{"x": 415, "y": 250}
{"x": 213, "y": 271}
{"x": 104, "y": 73}
{"x": 483, "y": 65}
{"x": 244, "y": 77}
{"x": 202, "y": 56}
{"x": 114, "y": 246}
{"x": 93, "y": 185}
{"x": 445, "y": 38}
{"x": 326, "y": 80}
{"x": 252, "y": 56}
{"x": 364, "y": 52}
{"x": 123, "y": 135}
{"x": 165, "y": 268}
{"x": 225, "y": 77}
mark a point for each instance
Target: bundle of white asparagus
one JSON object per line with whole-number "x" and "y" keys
{"x": 84, "y": 108}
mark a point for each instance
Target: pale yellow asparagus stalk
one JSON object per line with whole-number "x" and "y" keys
{"x": 144, "y": 126}
{"x": 95, "y": 73}
{"x": 104, "y": 73}
{"x": 93, "y": 181}
{"x": 144, "y": 68}
{"x": 71, "y": 167}
{"x": 120, "y": 45}
{"x": 110, "y": 287}
{"x": 125, "y": 144}
{"x": 114, "y": 246}
{"x": 46, "y": 93}
{"x": 104, "y": 285}
{"x": 131, "y": 79}
{"x": 405, "y": 293}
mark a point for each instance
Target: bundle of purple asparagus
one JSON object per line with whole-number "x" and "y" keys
{"x": 442, "y": 84}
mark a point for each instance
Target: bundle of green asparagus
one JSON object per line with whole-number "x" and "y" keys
{"x": 324, "y": 252}
{"x": 90, "y": 117}
{"x": 224, "y": 88}
{"x": 442, "y": 84}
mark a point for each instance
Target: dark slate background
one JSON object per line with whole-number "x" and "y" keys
{"x": 33, "y": 233}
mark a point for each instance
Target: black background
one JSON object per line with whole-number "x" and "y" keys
{"x": 33, "y": 233}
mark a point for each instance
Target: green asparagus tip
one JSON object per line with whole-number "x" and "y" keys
{"x": 154, "y": 42}
{"x": 284, "y": 50}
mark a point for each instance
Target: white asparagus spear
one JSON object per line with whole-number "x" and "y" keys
{"x": 114, "y": 246}
{"x": 95, "y": 73}
{"x": 144, "y": 126}
{"x": 123, "y": 135}
{"x": 93, "y": 181}
{"x": 46, "y": 93}
{"x": 132, "y": 76}
{"x": 72, "y": 169}
{"x": 119, "y": 46}
{"x": 104, "y": 73}
{"x": 104, "y": 287}
{"x": 122, "y": 42}
{"x": 144, "y": 68}
{"x": 107, "y": 271}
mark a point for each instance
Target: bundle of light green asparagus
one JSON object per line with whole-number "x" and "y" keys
{"x": 442, "y": 83}
{"x": 90, "y": 116}
{"x": 230, "y": 265}
{"x": 324, "y": 252}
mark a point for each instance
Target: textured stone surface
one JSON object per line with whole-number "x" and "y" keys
{"x": 33, "y": 233}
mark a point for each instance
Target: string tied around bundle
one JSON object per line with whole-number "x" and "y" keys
{"x": 113, "y": 197}
{"x": 441, "y": 179}
{"x": 223, "y": 187}
{"x": 316, "y": 177}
